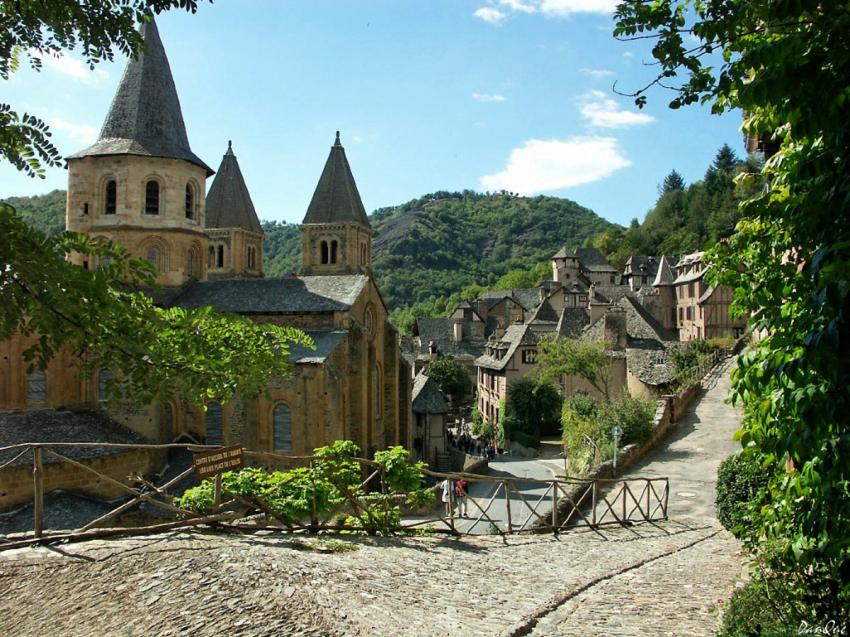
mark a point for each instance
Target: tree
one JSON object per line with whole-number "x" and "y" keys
{"x": 101, "y": 315}
{"x": 531, "y": 409}
{"x": 787, "y": 66}
{"x": 673, "y": 181}
{"x": 557, "y": 357}
{"x": 451, "y": 376}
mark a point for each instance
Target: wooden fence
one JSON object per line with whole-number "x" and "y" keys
{"x": 509, "y": 505}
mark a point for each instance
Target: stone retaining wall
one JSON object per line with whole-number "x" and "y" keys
{"x": 16, "y": 483}
{"x": 467, "y": 463}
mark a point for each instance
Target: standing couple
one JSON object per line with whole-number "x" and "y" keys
{"x": 455, "y": 494}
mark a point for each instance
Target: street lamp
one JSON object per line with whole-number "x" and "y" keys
{"x": 617, "y": 433}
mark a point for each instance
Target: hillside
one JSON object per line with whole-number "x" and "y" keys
{"x": 429, "y": 247}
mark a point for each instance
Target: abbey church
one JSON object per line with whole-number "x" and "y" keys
{"x": 142, "y": 186}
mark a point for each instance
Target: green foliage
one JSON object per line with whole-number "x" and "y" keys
{"x": 781, "y": 65}
{"x": 691, "y": 357}
{"x": 557, "y": 357}
{"x": 452, "y": 377}
{"x": 673, "y": 181}
{"x": 281, "y": 248}
{"x": 332, "y": 480}
{"x": 480, "y": 428}
{"x": 42, "y": 212}
{"x": 753, "y": 611}
{"x": 198, "y": 354}
{"x": 632, "y": 414}
{"x": 532, "y": 410}
{"x": 741, "y": 479}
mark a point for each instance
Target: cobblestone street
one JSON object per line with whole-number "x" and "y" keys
{"x": 663, "y": 579}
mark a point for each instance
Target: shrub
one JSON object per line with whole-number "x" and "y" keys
{"x": 740, "y": 480}
{"x": 751, "y": 611}
{"x": 633, "y": 415}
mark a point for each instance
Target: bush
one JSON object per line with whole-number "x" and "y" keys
{"x": 633, "y": 415}
{"x": 531, "y": 409}
{"x": 750, "y": 612}
{"x": 740, "y": 480}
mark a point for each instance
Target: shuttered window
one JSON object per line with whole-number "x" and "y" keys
{"x": 283, "y": 428}
{"x": 36, "y": 387}
{"x": 215, "y": 424}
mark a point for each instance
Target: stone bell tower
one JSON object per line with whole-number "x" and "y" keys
{"x": 336, "y": 234}
{"x": 140, "y": 184}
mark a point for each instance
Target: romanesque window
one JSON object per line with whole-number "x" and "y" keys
{"x": 153, "y": 256}
{"x": 36, "y": 387}
{"x": 325, "y": 252}
{"x": 152, "y": 198}
{"x": 111, "y": 197}
{"x": 282, "y": 428}
{"x": 103, "y": 393}
{"x": 333, "y": 251}
{"x": 190, "y": 262}
{"x": 215, "y": 424}
{"x": 190, "y": 201}
{"x": 219, "y": 261}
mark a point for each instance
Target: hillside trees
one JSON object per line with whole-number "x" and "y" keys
{"x": 787, "y": 66}
{"x": 156, "y": 352}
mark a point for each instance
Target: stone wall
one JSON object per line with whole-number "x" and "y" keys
{"x": 16, "y": 483}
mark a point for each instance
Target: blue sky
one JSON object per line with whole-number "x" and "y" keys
{"x": 428, "y": 95}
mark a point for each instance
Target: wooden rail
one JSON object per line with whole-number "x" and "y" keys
{"x": 515, "y": 505}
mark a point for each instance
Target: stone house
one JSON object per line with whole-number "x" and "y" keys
{"x": 429, "y": 418}
{"x": 141, "y": 185}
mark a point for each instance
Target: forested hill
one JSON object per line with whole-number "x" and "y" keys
{"x": 429, "y": 247}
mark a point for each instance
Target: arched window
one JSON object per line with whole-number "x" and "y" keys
{"x": 190, "y": 201}
{"x": 325, "y": 257}
{"x": 219, "y": 263}
{"x": 152, "y": 198}
{"x": 36, "y": 387}
{"x": 153, "y": 256}
{"x": 333, "y": 251}
{"x": 211, "y": 258}
{"x": 215, "y": 424}
{"x": 190, "y": 262}
{"x": 363, "y": 254}
{"x": 103, "y": 393}
{"x": 111, "y": 197}
{"x": 282, "y": 428}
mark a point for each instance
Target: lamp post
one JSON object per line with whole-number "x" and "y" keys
{"x": 617, "y": 433}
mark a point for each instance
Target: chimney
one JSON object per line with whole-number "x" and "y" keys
{"x": 457, "y": 330}
{"x": 615, "y": 327}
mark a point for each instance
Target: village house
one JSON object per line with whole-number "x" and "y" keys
{"x": 141, "y": 185}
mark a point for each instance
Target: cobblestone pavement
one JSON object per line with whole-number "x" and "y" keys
{"x": 648, "y": 579}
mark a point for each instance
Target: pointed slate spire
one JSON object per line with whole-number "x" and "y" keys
{"x": 336, "y": 199}
{"x": 229, "y": 204}
{"x": 145, "y": 116}
{"x": 664, "y": 276}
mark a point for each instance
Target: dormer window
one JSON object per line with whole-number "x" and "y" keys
{"x": 111, "y": 197}
{"x": 152, "y": 198}
{"x": 190, "y": 201}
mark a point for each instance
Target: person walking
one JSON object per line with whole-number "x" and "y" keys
{"x": 461, "y": 495}
{"x": 448, "y": 498}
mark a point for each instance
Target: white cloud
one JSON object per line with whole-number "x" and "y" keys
{"x": 82, "y": 133}
{"x": 71, "y": 67}
{"x": 518, "y": 5}
{"x": 541, "y": 165}
{"x": 603, "y": 112}
{"x": 597, "y": 72}
{"x": 488, "y": 97}
{"x": 491, "y": 15}
{"x": 628, "y": 54}
{"x": 562, "y": 8}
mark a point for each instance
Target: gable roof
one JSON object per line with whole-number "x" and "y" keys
{"x": 336, "y": 199}
{"x": 544, "y": 313}
{"x": 427, "y": 397}
{"x": 514, "y": 336}
{"x": 441, "y": 332}
{"x": 145, "y": 116}
{"x": 593, "y": 260}
{"x": 285, "y": 295}
{"x": 229, "y": 203}
{"x": 572, "y": 321}
{"x": 641, "y": 326}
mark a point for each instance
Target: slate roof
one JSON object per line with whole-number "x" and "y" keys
{"x": 229, "y": 203}
{"x": 336, "y": 199}
{"x": 272, "y": 296}
{"x": 664, "y": 275}
{"x": 544, "y": 313}
{"x": 441, "y": 332}
{"x": 563, "y": 253}
{"x": 427, "y": 397}
{"x": 326, "y": 342}
{"x": 71, "y": 425}
{"x": 514, "y": 336}
{"x": 527, "y": 298}
{"x": 145, "y": 116}
{"x": 593, "y": 260}
{"x": 641, "y": 326}
{"x": 651, "y": 365}
{"x": 572, "y": 321}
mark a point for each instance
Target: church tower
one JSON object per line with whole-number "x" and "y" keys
{"x": 140, "y": 184}
{"x": 336, "y": 234}
{"x": 235, "y": 234}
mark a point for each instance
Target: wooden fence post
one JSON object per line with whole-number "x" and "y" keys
{"x": 623, "y": 492}
{"x": 507, "y": 504}
{"x": 555, "y": 507}
{"x": 217, "y": 492}
{"x": 593, "y": 504}
{"x": 38, "y": 492}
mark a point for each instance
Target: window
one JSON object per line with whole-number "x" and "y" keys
{"x": 333, "y": 251}
{"x": 690, "y": 289}
{"x": 529, "y": 356}
{"x": 282, "y": 428}
{"x": 190, "y": 262}
{"x": 219, "y": 261}
{"x": 111, "y": 197}
{"x": 36, "y": 387}
{"x": 612, "y": 278}
{"x": 363, "y": 254}
{"x": 211, "y": 257}
{"x": 325, "y": 257}
{"x": 681, "y": 315}
{"x": 690, "y": 313}
{"x": 153, "y": 256}
{"x": 152, "y": 198}
{"x": 103, "y": 392}
{"x": 215, "y": 424}
{"x": 190, "y": 201}
{"x": 643, "y": 280}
